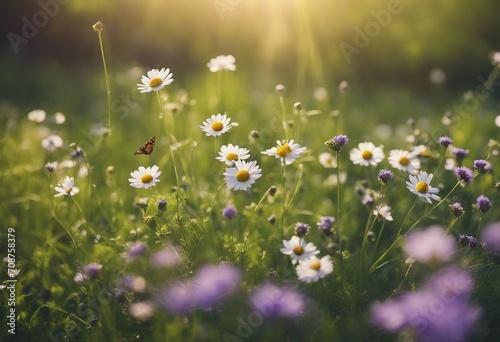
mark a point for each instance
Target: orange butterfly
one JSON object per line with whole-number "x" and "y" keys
{"x": 148, "y": 147}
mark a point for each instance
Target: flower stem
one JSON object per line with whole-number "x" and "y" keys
{"x": 339, "y": 237}
{"x": 108, "y": 90}
{"x": 285, "y": 126}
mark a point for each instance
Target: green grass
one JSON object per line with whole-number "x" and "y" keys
{"x": 58, "y": 237}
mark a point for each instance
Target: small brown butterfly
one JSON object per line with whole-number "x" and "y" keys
{"x": 148, "y": 147}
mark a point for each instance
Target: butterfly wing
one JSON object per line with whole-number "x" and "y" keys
{"x": 148, "y": 147}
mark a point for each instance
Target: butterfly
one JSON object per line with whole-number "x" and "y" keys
{"x": 148, "y": 147}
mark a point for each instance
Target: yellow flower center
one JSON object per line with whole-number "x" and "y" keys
{"x": 405, "y": 161}
{"x": 315, "y": 265}
{"x": 425, "y": 153}
{"x": 147, "y": 178}
{"x": 284, "y": 150}
{"x": 68, "y": 190}
{"x": 217, "y": 126}
{"x": 367, "y": 155}
{"x": 232, "y": 156}
{"x": 242, "y": 176}
{"x": 155, "y": 82}
{"x": 298, "y": 250}
{"x": 422, "y": 187}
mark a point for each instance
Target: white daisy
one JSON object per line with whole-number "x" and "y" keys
{"x": 37, "y": 115}
{"x": 495, "y": 58}
{"x": 404, "y": 160}
{"x": 287, "y": 152}
{"x": 155, "y": 80}
{"x": 383, "y": 213}
{"x": 242, "y": 175}
{"x": 421, "y": 150}
{"x": 144, "y": 177}
{"x": 298, "y": 249}
{"x": 420, "y": 186}
{"x": 231, "y": 153}
{"x": 52, "y": 142}
{"x": 366, "y": 154}
{"x": 314, "y": 269}
{"x": 222, "y": 63}
{"x": 216, "y": 125}
{"x": 59, "y": 118}
{"x": 66, "y": 187}
{"x": 327, "y": 160}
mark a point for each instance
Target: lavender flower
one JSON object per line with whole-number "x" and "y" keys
{"x": 136, "y": 250}
{"x": 166, "y": 257}
{"x": 464, "y": 174}
{"x": 479, "y": 164}
{"x": 211, "y": 283}
{"x": 460, "y": 154}
{"x": 467, "y": 240}
{"x": 77, "y": 153}
{"x": 229, "y": 212}
{"x": 483, "y": 203}
{"x": 177, "y": 298}
{"x": 385, "y": 176}
{"x": 431, "y": 244}
{"x": 457, "y": 209}
{"x": 449, "y": 291}
{"x": 325, "y": 224}
{"x": 301, "y": 229}
{"x": 491, "y": 236}
{"x": 274, "y": 301}
{"x": 51, "y": 166}
{"x": 337, "y": 142}
{"x": 92, "y": 270}
{"x": 445, "y": 141}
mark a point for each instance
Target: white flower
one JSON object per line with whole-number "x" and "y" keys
{"x": 287, "y": 152}
{"x": 421, "y": 150}
{"x": 144, "y": 177}
{"x": 420, "y": 186}
{"x": 230, "y": 153}
{"x": 37, "y": 115}
{"x": 496, "y": 58}
{"x": 242, "y": 175}
{"x": 404, "y": 160}
{"x": 155, "y": 80}
{"x": 298, "y": 249}
{"x": 383, "y": 213}
{"x": 314, "y": 269}
{"x": 216, "y": 125}
{"x": 222, "y": 63}
{"x": 366, "y": 154}
{"x": 52, "y": 142}
{"x": 66, "y": 187}
{"x": 327, "y": 160}
{"x": 141, "y": 311}
{"x": 59, "y": 118}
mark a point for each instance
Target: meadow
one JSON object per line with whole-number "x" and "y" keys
{"x": 230, "y": 204}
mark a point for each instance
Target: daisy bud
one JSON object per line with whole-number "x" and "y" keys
{"x": 272, "y": 190}
{"x": 254, "y": 134}
{"x": 110, "y": 169}
{"x": 271, "y": 219}
{"x": 343, "y": 87}
{"x": 298, "y": 106}
{"x": 280, "y": 88}
{"x": 98, "y": 26}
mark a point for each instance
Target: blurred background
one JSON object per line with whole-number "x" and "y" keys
{"x": 49, "y": 46}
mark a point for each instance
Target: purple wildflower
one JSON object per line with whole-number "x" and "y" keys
{"x": 166, "y": 257}
{"x": 211, "y": 283}
{"x": 337, "y": 142}
{"x": 51, "y": 166}
{"x": 464, "y": 174}
{"x": 136, "y": 250}
{"x": 229, "y": 212}
{"x": 457, "y": 209}
{"x": 491, "y": 236}
{"x": 431, "y": 244}
{"x": 439, "y": 312}
{"x": 92, "y": 270}
{"x": 445, "y": 141}
{"x": 385, "y": 176}
{"x": 177, "y": 298}
{"x": 479, "y": 164}
{"x": 301, "y": 229}
{"x": 325, "y": 224}
{"x": 460, "y": 154}
{"x": 467, "y": 240}
{"x": 77, "y": 153}
{"x": 483, "y": 203}
{"x": 274, "y": 301}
